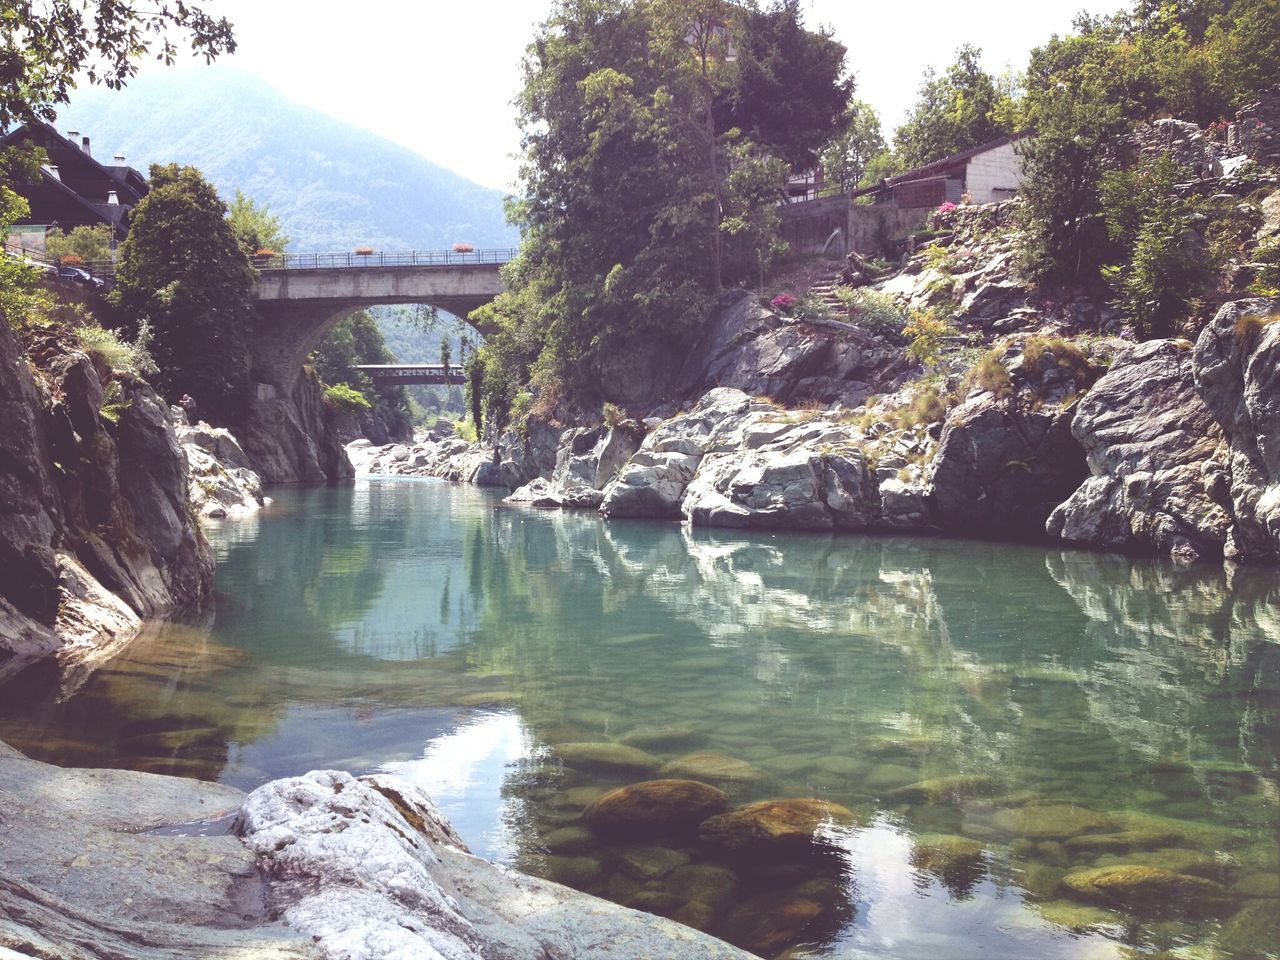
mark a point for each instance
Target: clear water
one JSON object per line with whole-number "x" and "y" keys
{"x": 1100, "y": 710}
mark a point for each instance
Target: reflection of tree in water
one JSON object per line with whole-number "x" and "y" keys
{"x": 1074, "y": 677}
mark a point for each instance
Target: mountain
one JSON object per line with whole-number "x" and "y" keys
{"x": 333, "y": 185}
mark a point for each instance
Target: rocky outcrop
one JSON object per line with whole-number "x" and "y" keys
{"x": 1237, "y": 372}
{"x": 222, "y": 481}
{"x": 124, "y": 864}
{"x": 95, "y": 527}
{"x": 1152, "y": 447}
{"x": 518, "y": 458}
{"x": 752, "y": 349}
{"x": 294, "y": 438}
{"x": 588, "y": 458}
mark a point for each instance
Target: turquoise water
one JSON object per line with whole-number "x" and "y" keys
{"x": 998, "y": 720}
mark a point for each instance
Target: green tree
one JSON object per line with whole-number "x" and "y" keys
{"x": 46, "y": 44}
{"x": 789, "y": 91}
{"x": 960, "y": 109}
{"x": 182, "y": 268}
{"x": 845, "y": 159}
{"x": 257, "y": 228}
{"x": 86, "y": 242}
{"x": 753, "y": 189}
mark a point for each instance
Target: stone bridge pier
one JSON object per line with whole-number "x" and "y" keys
{"x": 288, "y": 430}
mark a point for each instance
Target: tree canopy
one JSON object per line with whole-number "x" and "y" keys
{"x": 257, "y": 228}
{"x": 182, "y": 270}
{"x": 630, "y": 109}
{"x": 45, "y": 44}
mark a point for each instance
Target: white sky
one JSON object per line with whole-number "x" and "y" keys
{"x": 438, "y": 76}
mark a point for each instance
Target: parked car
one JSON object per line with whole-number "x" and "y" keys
{"x": 80, "y": 275}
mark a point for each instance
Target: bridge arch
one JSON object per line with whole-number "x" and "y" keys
{"x": 300, "y": 297}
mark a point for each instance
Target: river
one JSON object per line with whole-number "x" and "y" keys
{"x": 999, "y": 718}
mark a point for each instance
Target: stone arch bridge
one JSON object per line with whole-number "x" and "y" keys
{"x": 300, "y": 297}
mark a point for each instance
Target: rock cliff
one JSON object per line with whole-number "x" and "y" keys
{"x": 96, "y": 530}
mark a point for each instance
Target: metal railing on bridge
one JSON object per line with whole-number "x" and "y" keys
{"x": 106, "y": 269}
{"x": 410, "y": 373}
{"x": 374, "y": 258}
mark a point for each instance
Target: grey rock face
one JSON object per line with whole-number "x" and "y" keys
{"x": 222, "y": 484}
{"x": 588, "y": 459}
{"x": 1237, "y": 371}
{"x": 1153, "y": 451}
{"x": 1001, "y": 468}
{"x": 293, "y": 438}
{"x": 95, "y": 529}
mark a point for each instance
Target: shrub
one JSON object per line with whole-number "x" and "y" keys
{"x": 926, "y": 333}
{"x": 613, "y": 415}
{"x": 926, "y": 406}
{"x": 1067, "y": 356}
{"x": 82, "y": 243}
{"x": 521, "y": 406}
{"x": 875, "y": 312}
{"x": 989, "y": 374}
{"x": 465, "y": 430}
{"x": 117, "y": 352}
{"x": 346, "y": 398}
{"x": 1170, "y": 269}
{"x": 784, "y": 303}
{"x": 1266, "y": 281}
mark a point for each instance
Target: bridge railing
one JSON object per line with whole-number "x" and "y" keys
{"x": 106, "y": 269}
{"x": 402, "y": 258}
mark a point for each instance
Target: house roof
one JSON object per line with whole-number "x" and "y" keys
{"x": 125, "y": 177}
{"x": 940, "y": 167}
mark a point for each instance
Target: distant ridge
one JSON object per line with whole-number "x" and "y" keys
{"x": 334, "y": 185}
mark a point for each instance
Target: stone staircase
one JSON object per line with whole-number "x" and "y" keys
{"x": 824, "y": 293}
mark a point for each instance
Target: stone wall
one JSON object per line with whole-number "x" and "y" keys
{"x": 874, "y": 230}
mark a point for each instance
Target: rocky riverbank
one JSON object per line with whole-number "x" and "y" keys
{"x": 101, "y": 486}
{"x": 321, "y": 866}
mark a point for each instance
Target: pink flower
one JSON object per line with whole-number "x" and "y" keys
{"x": 947, "y": 207}
{"x": 783, "y": 302}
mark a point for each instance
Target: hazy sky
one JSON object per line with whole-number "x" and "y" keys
{"x": 438, "y": 75}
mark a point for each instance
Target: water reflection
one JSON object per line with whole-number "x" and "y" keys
{"x": 1017, "y": 733}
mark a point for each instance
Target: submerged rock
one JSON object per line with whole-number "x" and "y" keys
{"x": 775, "y": 827}
{"x": 1052, "y": 821}
{"x": 656, "y": 805}
{"x": 1146, "y": 889}
{"x": 710, "y": 765}
{"x": 607, "y": 756}
{"x": 951, "y": 789}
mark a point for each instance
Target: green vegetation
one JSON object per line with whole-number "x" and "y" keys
{"x": 647, "y": 154}
{"x": 258, "y": 229}
{"x": 346, "y": 398}
{"x": 989, "y": 374}
{"x": 384, "y": 411}
{"x": 87, "y": 243}
{"x": 846, "y": 159}
{"x": 1266, "y": 280}
{"x": 926, "y": 333}
{"x": 183, "y": 271}
{"x": 47, "y": 45}
{"x": 1197, "y": 60}
{"x": 962, "y": 108}
{"x": 875, "y": 312}
{"x": 132, "y": 357}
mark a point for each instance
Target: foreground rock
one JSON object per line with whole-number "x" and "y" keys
{"x": 368, "y": 868}
{"x": 326, "y": 866}
{"x": 588, "y": 458}
{"x": 84, "y": 879}
{"x": 96, "y": 531}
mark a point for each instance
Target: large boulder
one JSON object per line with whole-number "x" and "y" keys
{"x": 369, "y": 868}
{"x": 588, "y": 458}
{"x": 1237, "y": 372}
{"x": 221, "y": 481}
{"x": 1153, "y": 451}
